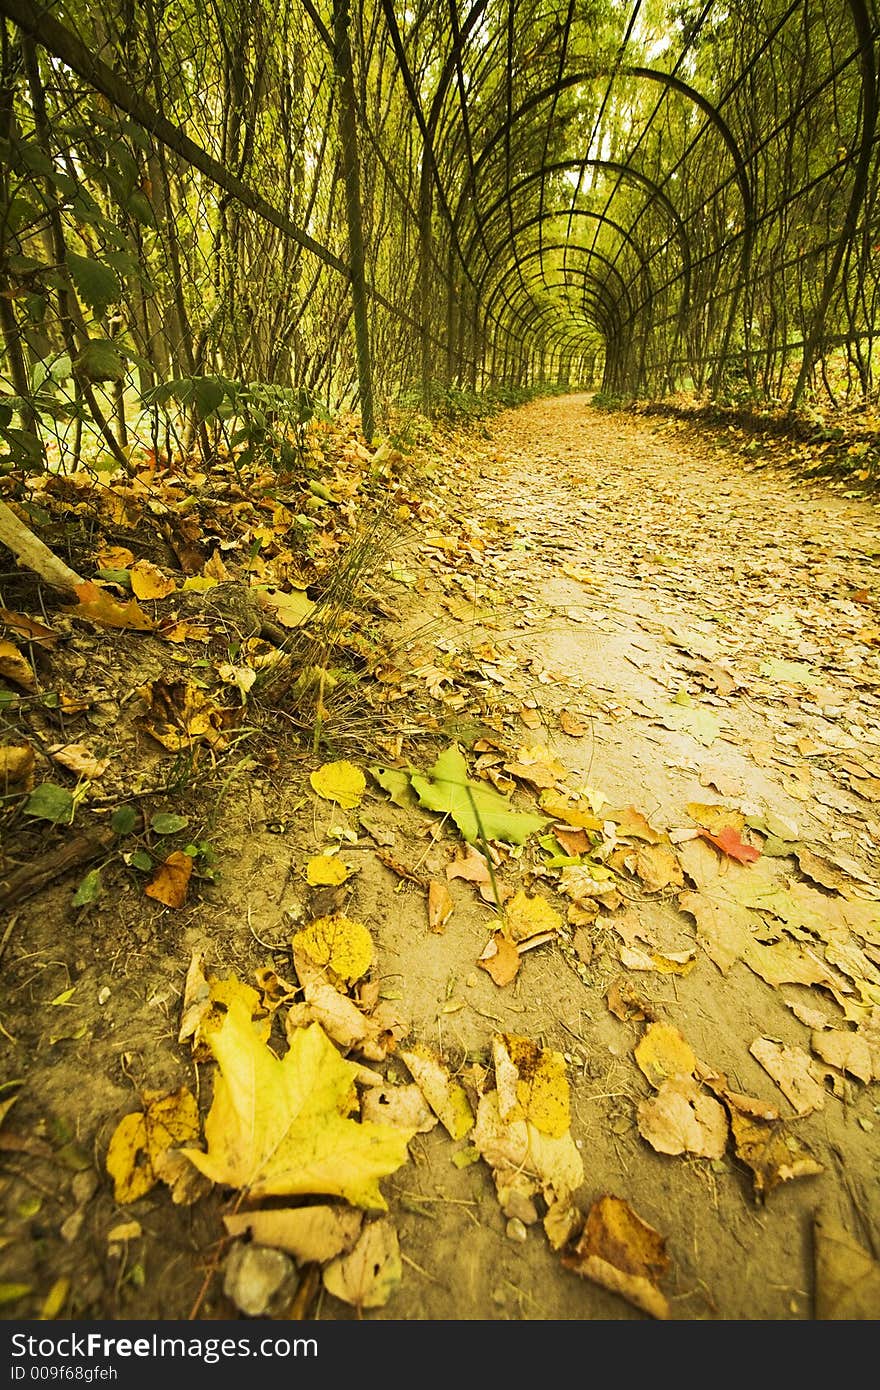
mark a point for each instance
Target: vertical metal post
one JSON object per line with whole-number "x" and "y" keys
{"x": 351, "y": 175}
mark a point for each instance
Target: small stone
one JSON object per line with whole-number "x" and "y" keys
{"x": 516, "y": 1230}
{"x": 70, "y": 1228}
{"x": 103, "y": 995}
{"x": 253, "y": 1274}
{"x": 84, "y": 1186}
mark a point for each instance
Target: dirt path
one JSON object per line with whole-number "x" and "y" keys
{"x": 670, "y": 644}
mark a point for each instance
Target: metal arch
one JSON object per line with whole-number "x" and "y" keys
{"x": 587, "y": 251}
{"x": 625, "y": 171}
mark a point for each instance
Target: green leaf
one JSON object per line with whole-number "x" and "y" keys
{"x": 89, "y": 891}
{"x": 51, "y": 802}
{"x": 95, "y": 282}
{"x": 123, "y": 820}
{"x": 166, "y": 822}
{"x": 480, "y": 812}
{"x": 99, "y": 361}
{"x": 122, "y": 577}
{"x": 209, "y": 392}
{"x": 141, "y": 860}
{"x": 396, "y": 782}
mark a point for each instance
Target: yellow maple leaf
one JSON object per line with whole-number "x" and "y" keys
{"x": 281, "y": 1127}
{"x": 141, "y": 1138}
{"x": 341, "y": 782}
{"x": 532, "y": 1084}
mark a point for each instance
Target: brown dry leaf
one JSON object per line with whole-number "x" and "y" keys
{"x": 626, "y": 1003}
{"x": 725, "y": 783}
{"x": 857, "y": 1053}
{"x": 340, "y": 1018}
{"x": 620, "y": 1251}
{"x": 148, "y": 581}
{"x": 790, "y": 1068}
{"x": 214, "y": 568}
{"x": 183, "y": 1179}
{"x": 658, "y": 867}
{"x": 114, "y": 557}
{"x": 530, "y": 717}
{"x": 848, "y": 881}
{"x": 16, "y": 768}
{"x": 180, "y": 715}
{"x": 632, "y": 825}
{"x": 500, "y": 959}
{"x": 440, "y": 906}
{"x": 404, "y": 1107}
{"x": 663, "y": 1053}
{"x": 369, "y": 1275}
{"x": 22, "y": 625}
{"x": 78, "y": 759}
{"x": 519, "y": 1145}
{"x": 97, "y": 606}
{"x": 665, "y": 963}
{"x": 681, "y": 1118}
{"x": 16, "y": 668}
{"x": 773, "y": 1155}
{"x": 171, "y": 879}
{"x": 573, "y": 726}
{"x": 574, "y": 842}
{"x": 402, "y": 870}
{"x": 312, "y": 1235}
{"x": 847, "y": 1275}
{"x": 446, "y": 1097}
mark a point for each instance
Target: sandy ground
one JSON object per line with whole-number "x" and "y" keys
{"x": 630, "y": 614}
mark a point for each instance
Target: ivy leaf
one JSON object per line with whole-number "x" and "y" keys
{"x": 279, "y": 1127}
{"x": 89, "y": 890}
{"x": 479, "y": 811}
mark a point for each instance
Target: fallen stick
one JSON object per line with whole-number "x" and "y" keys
{"x": 30, "y": 878}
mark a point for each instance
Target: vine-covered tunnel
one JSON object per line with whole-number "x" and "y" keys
{"x": 380, "y": 201}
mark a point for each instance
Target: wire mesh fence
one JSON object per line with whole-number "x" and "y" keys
{"x": 218, "y": 220}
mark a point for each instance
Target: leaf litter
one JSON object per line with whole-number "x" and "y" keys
{"x": 537, "y": 1076}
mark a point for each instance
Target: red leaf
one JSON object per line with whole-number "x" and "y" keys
{"x": 729, "y": 842}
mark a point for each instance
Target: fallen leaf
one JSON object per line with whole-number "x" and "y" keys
{"x": 620, "y": 1251}
{"x": 280, "y": 1127}
{"x": 855, "y": 1052}
{"x": 530, "y": 717}
{"x": 440, "y": 905}
{"x": 17, "y": 764}
{"x": 787, "y": 672}
{"x": 97, "y": 606}
{"x": 518, "y": 1145}
{"x": 681, "y": 1118}
{"x": 341, "y": 782}
{"x": 179, "y": 715}
{"x": 766, "y": 1147}
{"x": 369, "y": 1275}
{"x": 171, "y": 879}
{"x": 714, "y": 817}
{"x": 337, "y": 944}
{"x": 480, "y": 813}
{"x": 526, "y": 916}
{"x": 446, "y": 1097}
{"x": 22, "y": 625}
{"x": 312, "y": 1235}
{"x": 573, "y": 811}
{"x": 289, "y": 609}
{"x": 663, "y": 1053}
{"x": 626, "y": 1003}
{"x": 403, "y": 1106}
{"x": 658, "y": 867}
{"x": 79, "y": 759}
{"x": 532, "y": 1084}
{"x": 16, "y": 668}
{"x": 573, "y": 726}
{"x": 847, "y": 1275}
{"x": 500, "y": 959}
{"x": 326, "y": 870}
{"x": 790, "y": 1069}
{"x": 148, "y": 581}
{"x": 141, "y": 1138}
{"x": 631, "y": 824}
{"x": 729, "y": 842}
